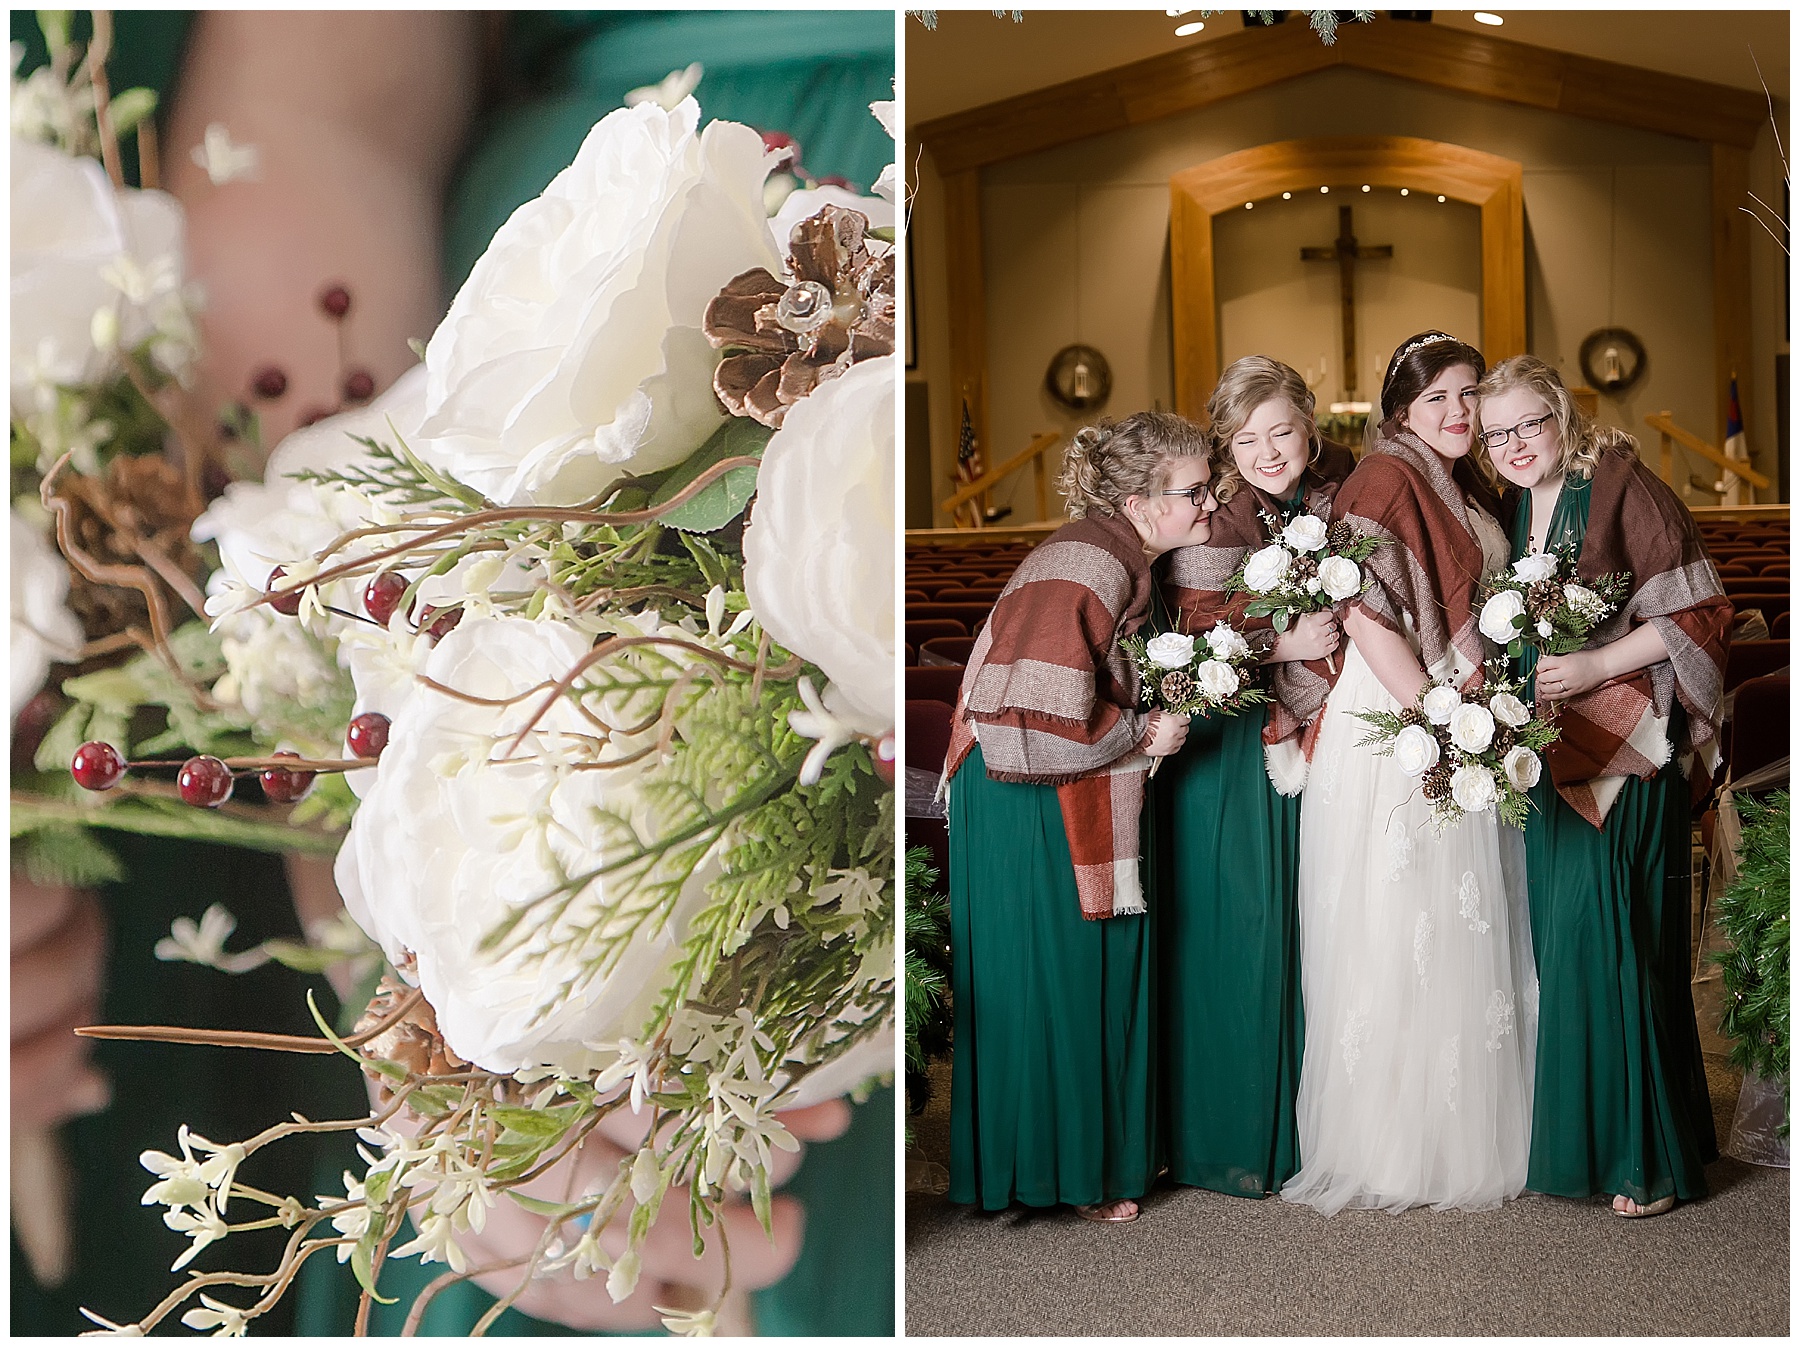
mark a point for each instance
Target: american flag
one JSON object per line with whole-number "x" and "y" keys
{"x": 968, "y": 460}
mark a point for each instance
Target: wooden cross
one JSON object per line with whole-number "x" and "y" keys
{"x": 1346, "y": 253}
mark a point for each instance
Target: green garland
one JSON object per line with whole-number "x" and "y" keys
{"x": 1753, "y": 914}
{"x": 927, "y": 973}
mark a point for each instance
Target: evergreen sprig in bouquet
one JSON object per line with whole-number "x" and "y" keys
{"x": 1538, "y": 603}
{"x": 1472, "y": 752}
{"x": 616, "y": 764}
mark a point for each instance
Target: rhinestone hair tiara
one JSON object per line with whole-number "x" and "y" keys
{"x": 1429, "y": 339}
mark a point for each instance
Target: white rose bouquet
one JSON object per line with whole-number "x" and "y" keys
{"x": 585, "y": 631}
{"x": 1308, "y": 567}
{"x": 1539, "y": 603}
{"x": 1194, "y": 675}
{"x": 1472, "y": 752}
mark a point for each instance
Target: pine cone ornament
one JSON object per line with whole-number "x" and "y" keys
{"x": 1436, "y": 782}
{"x": 1340, "y": 535}
{"x": 1412, "y": 715}
{"x": 1176, "y": 687}
{"x": 414, "y": 1042}
{"x": 140, "y": 503}
{"x": 783, "y": 340}
{"x": 1543, "y": 596}
{"x": 1504, "y": 739}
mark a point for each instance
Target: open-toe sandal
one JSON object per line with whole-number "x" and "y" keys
{"x": 1656, "y": 1208}
{"x": 1107, "y": 1213}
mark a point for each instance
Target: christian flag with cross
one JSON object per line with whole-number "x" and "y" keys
{"x": 1737, "y": 448}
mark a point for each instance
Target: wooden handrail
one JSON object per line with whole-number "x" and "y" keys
{"x": 1666, "y": 427}
{"x": 1031, "y": 452}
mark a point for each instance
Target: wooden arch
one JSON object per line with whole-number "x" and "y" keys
{"x": 1487, "y": 181}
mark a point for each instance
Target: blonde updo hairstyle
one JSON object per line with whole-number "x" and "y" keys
{"x": 1583, "y": 441}
{"x": 1246, "y": 384}
{"x": 1111, "y": 461}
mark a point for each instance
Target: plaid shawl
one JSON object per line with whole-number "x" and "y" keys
{"x": 1426, "y": 578}
{"x": 1621, "y": 729}
{"x": 1050, "y": 696}
{"x": 1195, "y": 592}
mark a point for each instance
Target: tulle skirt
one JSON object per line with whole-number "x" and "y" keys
{"x": 1420, "y": 992}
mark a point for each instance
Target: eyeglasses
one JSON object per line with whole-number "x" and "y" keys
{"x": 1196, "y": 495}
{"x": 1525, "y": 430}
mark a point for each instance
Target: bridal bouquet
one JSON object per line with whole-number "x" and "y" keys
{"x": 1472, "y": 752}
{"x": 1195, "y": 675}
{"x": 614, "y": 760}
{"x": 1309, "y": 567}
{"x": 1538, "y": 603}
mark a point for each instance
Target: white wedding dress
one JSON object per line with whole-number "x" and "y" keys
{"x": 1416, "y": 967}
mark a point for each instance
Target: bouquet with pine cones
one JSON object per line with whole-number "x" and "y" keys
{"x": 1538, "y": 603}
{"x": 1309, "y": 567}
{"x": 1194, "y": 675}
{"x": 1472, "y": 752}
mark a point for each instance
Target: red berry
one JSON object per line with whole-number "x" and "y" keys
{"x": 284, "y": 786}
{"x": 437, "y": 623}
{"x": 269, "y": 382}
{"x": 335, "y": 300}
{"x": 97, "y": 766}
{"x": 382, "y": 595}
{"x": 204, "y": 782}
{"x": 359, "y": 386}
{"x": 368, "y": 734}
{"x": 288, "y": 605}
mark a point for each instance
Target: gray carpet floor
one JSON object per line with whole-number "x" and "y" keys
{"x": 1201, "y": 1263}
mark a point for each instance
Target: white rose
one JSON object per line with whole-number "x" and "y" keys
{"x": 44, "y": 631}
{"x": 1341, "y": 577}
{"x": 819, "y": 547}
{"x": 1171, "y": 650}
{"x": 1313, "y": 584}
{"x": 1509, "y": 710}
{"x": 80, "y": 246}
{"x": 1416, "y": 750}
{"x": 1305, "y": 533}
{"x": 1268, "y": 568}
{"x": 1472, "y": 787}
{"x": 1544, "y": 629}
{"x": 1225, "y": 643}
{"x": 1522, "y": 768}
{"x": 448, "y": 845}
{"x": 1472, "y": 727}
{"x": 574, "y": 350}
{"x": 1217, "y": 679}
{"x": 1440, "y": 704}
{"x": 1498, "y": 614}
{"x": 1535, "y": 566}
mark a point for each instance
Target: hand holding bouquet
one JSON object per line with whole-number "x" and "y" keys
{"x": 1184, "y": 675}
{"x": 1474, "y": 752}
{"x": 1539, "y": 603}
{"x": 1310, "y": 567}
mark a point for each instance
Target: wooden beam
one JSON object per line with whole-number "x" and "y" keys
{"x": 1664, "y": 424}
{"x": 1205, "y": 73}
{"x": 1732, "y": 347}
{"x": 964, "y": 275}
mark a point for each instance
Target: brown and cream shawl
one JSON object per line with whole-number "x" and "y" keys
{"x": 1427, "y": 574}
{"x": 1049, "y": 695}
{"x": 1620, "y": 730}
{"x": 1195, "y": 590}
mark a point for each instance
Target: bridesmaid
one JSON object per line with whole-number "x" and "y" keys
{"x": 1053, "y": 1079}
{"x": 1621, "y": 1104}
{"x": 1229, "y": 947}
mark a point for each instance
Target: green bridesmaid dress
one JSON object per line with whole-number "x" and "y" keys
{"x": 1620, "y": 1105}
{"x": 1052, "y": 1095}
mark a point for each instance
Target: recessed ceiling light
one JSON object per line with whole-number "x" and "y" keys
{"x": 1440, "y": 198}
{"x": 1324, "y": 189}
{"x": 1405, "y": 192}
{"x": 1189, "y": 29}
{"x": 1491, "y": 20}
{"x": 1365, "y": 187}
{"x": 1287, "y": 196}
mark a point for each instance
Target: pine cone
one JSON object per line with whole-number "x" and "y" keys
{"x": 1340, "y": 535}
{"x": 138, "y": 499}
{"x": 1176, "y": 687}
{"x": 414, "y": 1042}
{"x": 785, "y": 340}
{"x": 1504, "y": 739}
{"x": 1543, "y": 596}
{"x": 1411, "y": 715}
{"x": 1437, "y": 782}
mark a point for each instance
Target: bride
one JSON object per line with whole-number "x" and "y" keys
{"x": 1415, "y": 951}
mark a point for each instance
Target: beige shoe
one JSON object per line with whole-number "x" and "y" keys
{"x": 1656, "y": 1208}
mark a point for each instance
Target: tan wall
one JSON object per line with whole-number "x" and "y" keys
{"x": 1617, "y": 223}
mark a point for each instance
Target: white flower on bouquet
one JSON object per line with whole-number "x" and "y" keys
{"x": 1535, "y": 566}
{"x": 1499, "y": 614}
{"x": 1267, "y": 568}
{"x": 1170, "y": 650}
{"x": 1585, "y": 603}
{"x": 1509, "y": 710}
{"x": 574, "y": 350}
{"x": 1226, "y": 643}
{"x": 1522, "y": 767}
{"x": 43, "y": 629}
{"x": 1441, "y": 703}
{"x": 1472, "y": 727}
{"x": 1341, "y": 577}
{"x": 1416, "y": 750}
{"x": 818, "y": 549}
{"x": 1217, "y": 679}
{"x": 1544, "y": 629}
{"x": 1473, "y": 788}
{"x": 1304, "y": 533}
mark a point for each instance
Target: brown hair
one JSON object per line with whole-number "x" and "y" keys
{"x": 1582, "y": 440}
{"x": 1245, "y": 385}
{"x": 1415, "y": 365}
{"x": 1111, "y": 460}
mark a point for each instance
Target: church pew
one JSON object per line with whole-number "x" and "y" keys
{"x": 969, "y": 593}
{"x": 1753, "y": 659}
{"x": 934, "y": 684}
{"x": 927, "y": 744}
{"x": 921, "y": 629}
{"x": 947, "y": 650}
{"x": 1761, "y": 711}
{"x": 970, "y": 615}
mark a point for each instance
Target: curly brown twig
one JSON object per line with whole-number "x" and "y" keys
{"x": 98, "y": 51}
{"x": 247, "y": 1038}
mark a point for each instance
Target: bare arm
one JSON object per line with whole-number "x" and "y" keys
{"x": 1389, "y": 656}
{"x": 357, "y": 118}
{"x": 1561, "y": 676}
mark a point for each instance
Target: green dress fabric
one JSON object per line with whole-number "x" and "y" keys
{"x": 1052, "y": 1095}
{"x": 1229, "y": 957}
{"x": 1620, "y": 1105}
